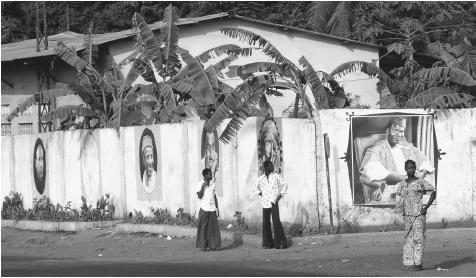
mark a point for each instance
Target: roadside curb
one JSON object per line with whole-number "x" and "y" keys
{"x": 49, "y": 226}
{"x": 190, "y": 232}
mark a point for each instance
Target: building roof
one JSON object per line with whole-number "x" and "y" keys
{"x": 27, "y": 48}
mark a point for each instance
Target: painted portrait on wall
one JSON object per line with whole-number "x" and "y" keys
{"x": 39, "y": 166}
{"x": 148, "y": 161}
{"x": 380, "y": 145}
{"x": 210, "y": 150}
{"x": 269, "y": 145}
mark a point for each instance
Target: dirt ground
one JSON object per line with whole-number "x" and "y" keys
{"x": 448, "y": 252}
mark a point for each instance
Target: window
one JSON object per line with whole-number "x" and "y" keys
{"x": 26, "y": 128}
{"x": 5, "y": 109}
{"x": 6, "y": 128}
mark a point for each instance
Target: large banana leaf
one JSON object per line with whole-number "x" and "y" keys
{"x": 69, "y": 56}
{"x": 182, "y": 87}
{"x": 253, "y": 38}
{"x": 46, "y": 96}
{"x": 436, "y": 49}
{"x": 147, "y": 41}
{"x": 245, "y": 71}
{"x": 138, "y": 99}
{"x": 202, "y": 92}
{"x": 232, "y": 128}
{"x": 85, "y": 83}
{"x": 216, "y": 51}
{"x": 368, "y": 68}
{"x": 90, "y": 52}
{"x": 235, "y": 98}
{"x": 224, "y": 88}
{"x": 170, "y": 31}
{"x": 212, "y": 78}
{"x": 223, "y": 64}
{"x": 439, "y": 97}
{"x": 445, "y": 74}
{"x": 68, "y": 111}
{"x": 317, "y": 89}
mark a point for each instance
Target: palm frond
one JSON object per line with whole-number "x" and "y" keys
{"x": 252, "y": 38}
{"x": 170, "y": 31}
{"x": 146, "y": 41}
{"x": 445, "y": 74}
{"x": 439, "y": 97}
{"x": 339, "y": 24}
{"x": 69, "y": 111}
{"x": 320, "y": 14}
{"x": 216, "y": 51}
{"x": 202, "y": 93}
{"x": 317, "y": 89}
{"x": 368, "y": 68}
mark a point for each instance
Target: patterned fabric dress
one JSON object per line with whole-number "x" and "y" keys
{"x": 410, "y": 205}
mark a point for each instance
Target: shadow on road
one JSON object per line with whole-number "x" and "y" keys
{"x": 43, "y": 268}
{"x": 455, "y": 263}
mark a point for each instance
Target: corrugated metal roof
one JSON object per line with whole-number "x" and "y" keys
{"x": 27, "y": 49}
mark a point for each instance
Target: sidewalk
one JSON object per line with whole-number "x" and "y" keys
{"x": 190, "y": 232}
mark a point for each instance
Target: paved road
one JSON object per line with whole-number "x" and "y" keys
{"x": 104, "y": 253}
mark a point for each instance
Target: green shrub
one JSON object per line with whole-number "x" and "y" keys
{"x": 104, "y": 210}
{"x": 43, "y": 209}
{"x": 12, "y": 207}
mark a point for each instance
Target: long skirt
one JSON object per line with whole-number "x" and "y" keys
{"x": 413, "y": 245}
{"x": 279, "y": 240}
{"x": 208, "y": 231}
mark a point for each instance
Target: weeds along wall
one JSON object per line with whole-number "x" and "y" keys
{"x": 92, "y": 163}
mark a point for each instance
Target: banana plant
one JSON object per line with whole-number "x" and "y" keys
{"x": 265, "y": 78}
{"x": 178, "y": 87}
{"x": 441, "y": 87}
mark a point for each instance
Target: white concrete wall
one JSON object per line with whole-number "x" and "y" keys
{"x": 92, "y": 163}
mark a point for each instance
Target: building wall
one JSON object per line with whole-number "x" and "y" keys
{"x": 323, "y": 54}
{"x": 92, "y": 163}
{"x": 24, "y": 78}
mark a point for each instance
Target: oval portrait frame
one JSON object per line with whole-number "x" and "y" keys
{"x": 39, "y": 183}
{"x": 147, "y": 132}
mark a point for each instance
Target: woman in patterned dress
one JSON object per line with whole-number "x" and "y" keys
{"x": 411, "y": 192}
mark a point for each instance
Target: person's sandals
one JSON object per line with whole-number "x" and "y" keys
{"x": 415, "y": 267}
{"x": 204, "y": 249}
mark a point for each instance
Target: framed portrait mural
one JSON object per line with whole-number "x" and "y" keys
{"x": 149, "y": 168}
{"x": 39, "y": 166}
{"x": 379, "y": 146}
{"x": 210, "y": 157}
{"x": 270, "y": 144}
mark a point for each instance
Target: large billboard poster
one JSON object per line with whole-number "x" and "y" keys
{"x": 380, "y": 145}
